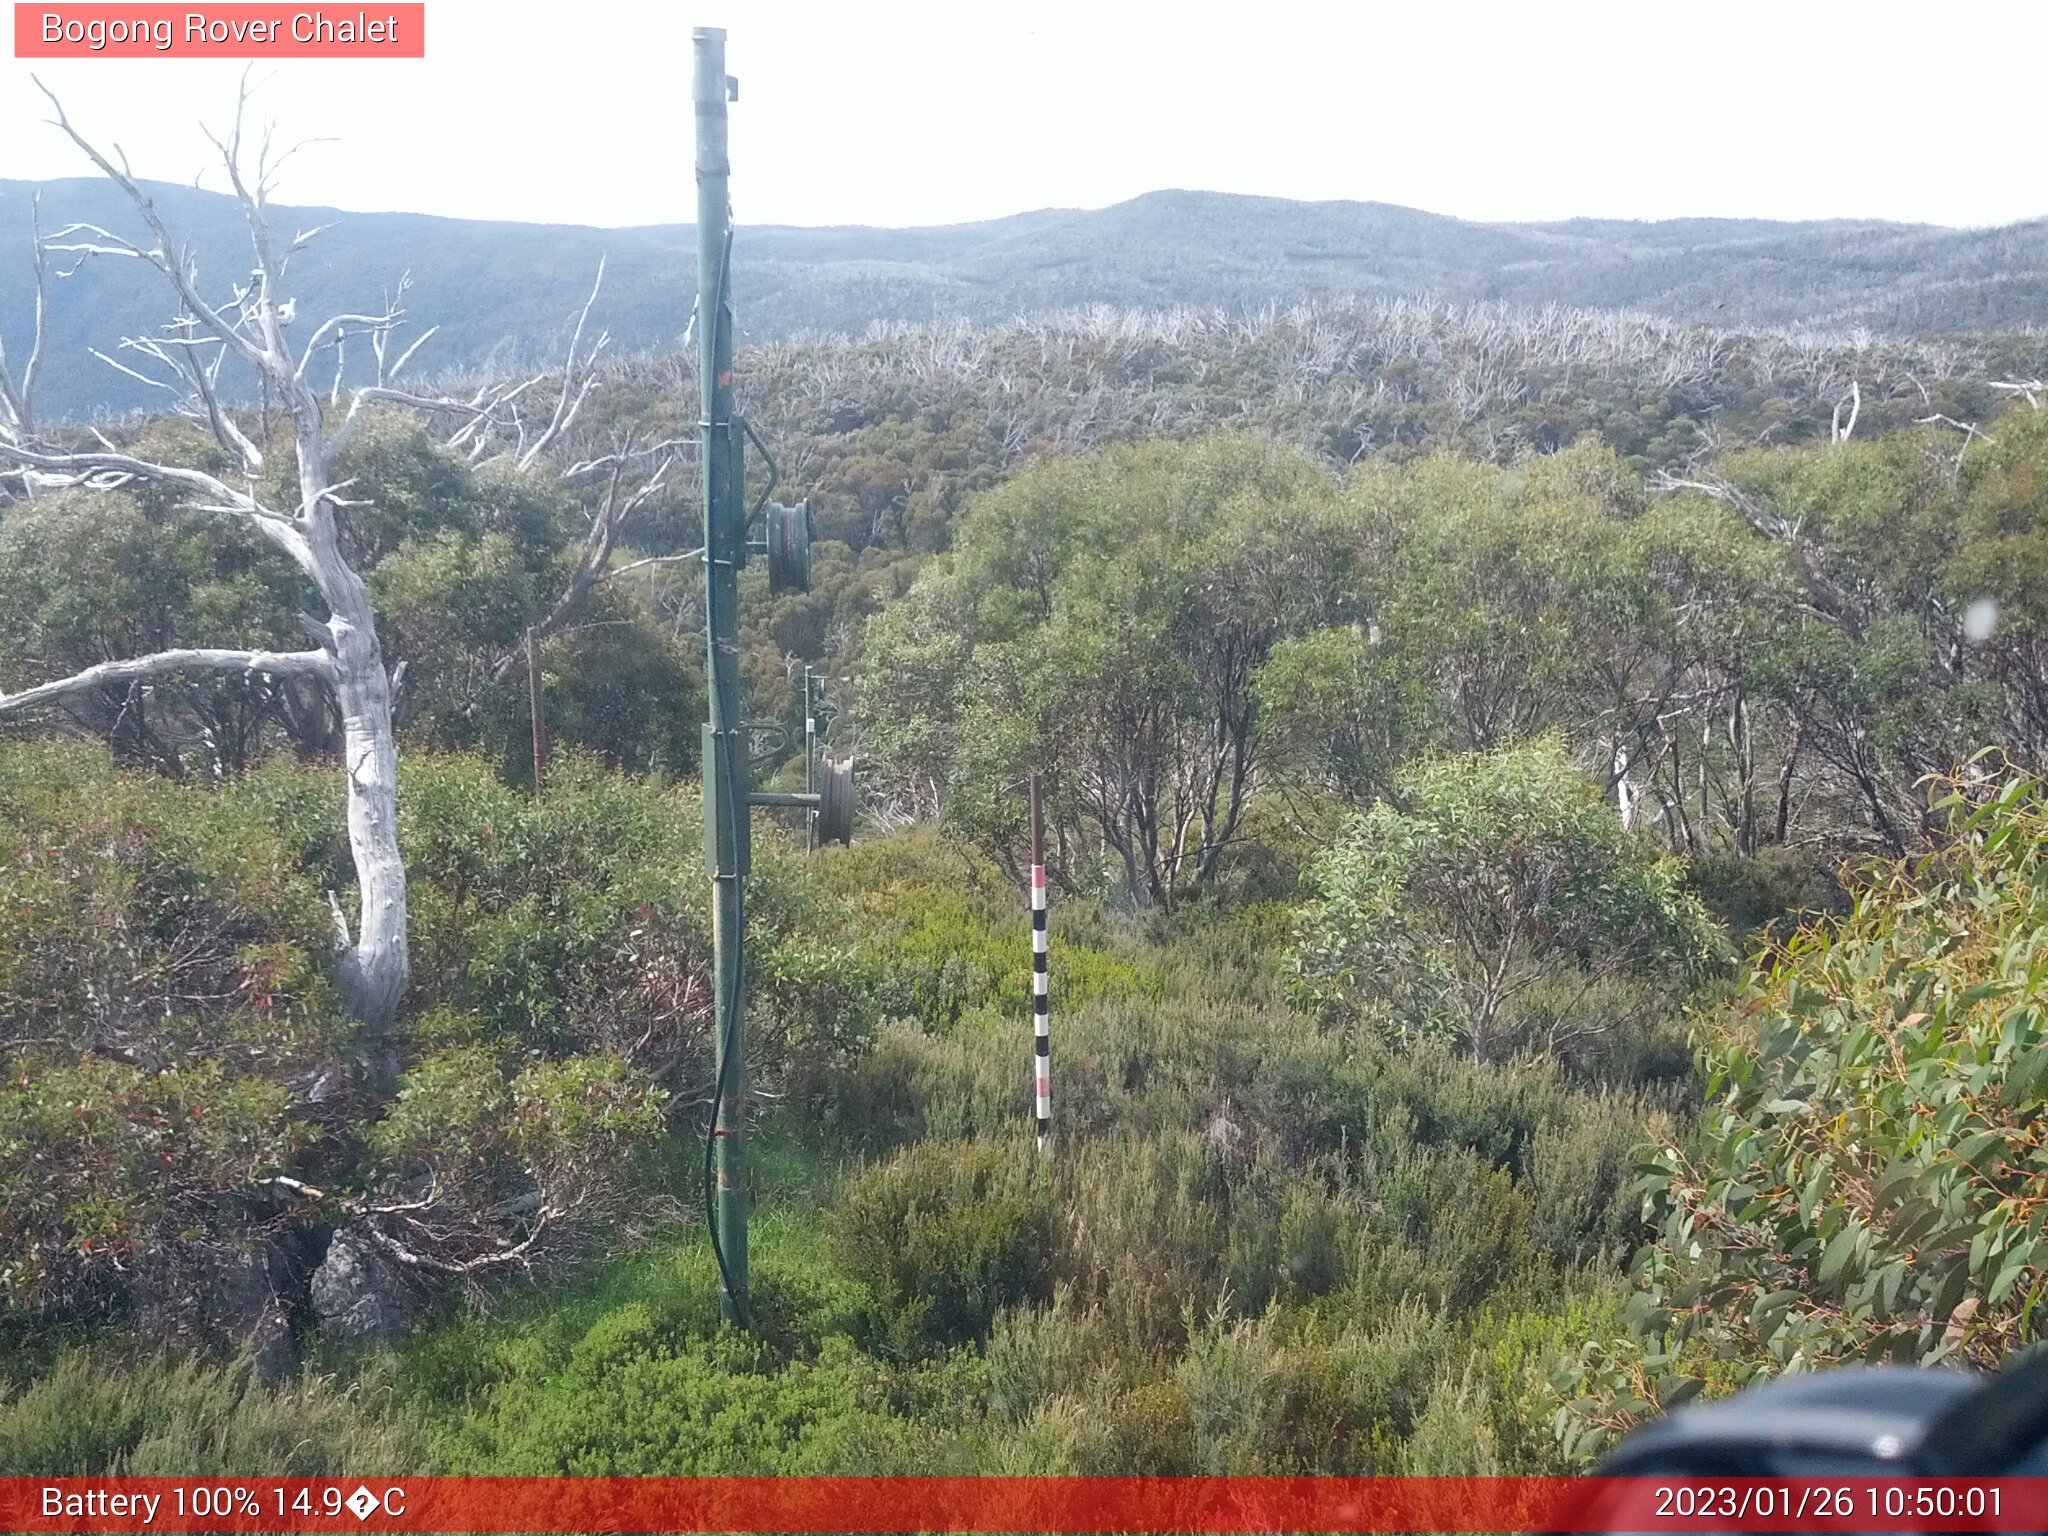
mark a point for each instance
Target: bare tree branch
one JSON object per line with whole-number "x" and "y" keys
{"x": 120, "y": 367}
{"x": 1839, "y": 430}
{"x": 633, "y": 565}
{"x": 386, "y": 376}
{"x": 614, "y": 512}
{"x": 202, "y": 378}
{"x": 479, "y": 412}
{"x": 107, "y": 470}
{"x": 337, "y": 325}
{"x": 1970, "y": 430}
{"x": 18, "y": 399}
{"x": 577, "y": 378}
{"x": 412, "y": 1259}
{"x": 169, "y": 257}
{"x": 1825, "y": 594}
{"x": 272, "y": 663}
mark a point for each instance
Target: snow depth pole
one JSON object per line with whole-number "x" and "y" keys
{"x": 540, "y": 729}
{"x": 810, "y": 762}
{"x": 725, "y": 755}
{"x": 1041, "y": 981}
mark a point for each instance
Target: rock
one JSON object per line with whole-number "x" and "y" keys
{"x": 356, "y": 1293}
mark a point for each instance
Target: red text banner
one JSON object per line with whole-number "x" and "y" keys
{"x": 221, "y": 31}
{"x": 1019, "y": 1504}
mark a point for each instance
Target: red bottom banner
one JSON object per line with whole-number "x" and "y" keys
{"x": 1021, "y": 1504}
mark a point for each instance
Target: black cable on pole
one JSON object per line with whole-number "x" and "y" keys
{"x": 710, "y": 1152}
{"x": 725, "y": 1055}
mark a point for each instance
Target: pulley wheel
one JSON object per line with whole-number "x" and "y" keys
{"x": 789, "y": 547}
{"x": 835, "y": 802}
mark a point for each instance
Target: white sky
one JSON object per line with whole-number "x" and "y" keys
{"x": 903, "y": 112}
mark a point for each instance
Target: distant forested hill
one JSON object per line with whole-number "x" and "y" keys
{"x": 502, "y": 292}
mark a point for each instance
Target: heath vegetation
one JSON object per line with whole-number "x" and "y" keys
{"x": 1546, "y": 830}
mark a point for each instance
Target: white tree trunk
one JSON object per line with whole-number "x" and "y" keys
{"x": 377, "y": 968}
{"x": 1624, "y": 790}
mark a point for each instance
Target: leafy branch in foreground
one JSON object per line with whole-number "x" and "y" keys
{"x": 1866, "y": 1183}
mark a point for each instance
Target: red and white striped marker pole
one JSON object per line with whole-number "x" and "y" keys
{"x": 1041, "y": 999}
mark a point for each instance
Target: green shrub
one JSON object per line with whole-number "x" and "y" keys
{"x": 1485, "y": 876}
{"x": 578, "y": 922}
{"x": 634, "y": 1373}
{"x": 1151, "y": 1433}
{"x": 168, "y": 1009}
{"x": 126, "y": 900}
{"x": 1470, "y": 1220}
{"x": 106, "y": 1170}
{"x": 1516, "y": 1347}
{"x": 944, "y": 1235}
{"x": 1038, "y": 1355}
{"x": 1295, "y": 1396}
{"x": 94, "y": 1414}
{"x": 1157, "y": 1228}
{"x": 631, "y": 1403}
{"x": 1585, "y": 1206}
{"x": 949, "y": 935}
{"x": 668, "y": 1292}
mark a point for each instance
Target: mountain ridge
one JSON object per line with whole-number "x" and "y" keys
{"x": 502, "y": 292}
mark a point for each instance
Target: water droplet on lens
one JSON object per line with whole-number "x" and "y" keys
{"x": 1980, "y": 619}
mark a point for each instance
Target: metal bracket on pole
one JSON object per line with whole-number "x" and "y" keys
{"x": 831, "y": 806}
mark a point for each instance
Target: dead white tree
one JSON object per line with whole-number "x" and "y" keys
{"x": 1970, "y": 430}
{"x": 18, "y": 393}
{"x": 247, "y": 329}
{"x": 1841, "y": 428}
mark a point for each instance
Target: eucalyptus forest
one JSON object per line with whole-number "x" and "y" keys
{"x": 1544, "y": 823}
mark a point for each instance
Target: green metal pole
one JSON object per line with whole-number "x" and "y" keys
{"x": 726, "y": 760}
